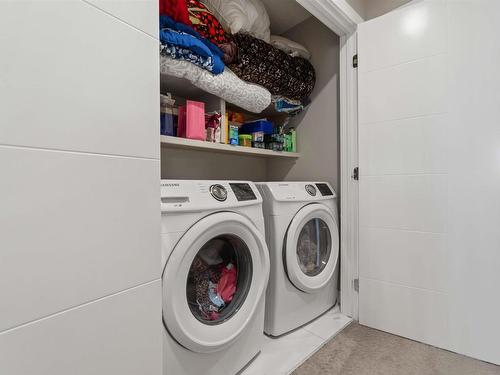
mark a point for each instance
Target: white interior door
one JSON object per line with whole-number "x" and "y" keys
{"x": 429, "y": 143}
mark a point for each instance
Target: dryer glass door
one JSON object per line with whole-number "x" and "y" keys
{"x": 314, "y": 247}
{"x": 311, "y": 248}
{"x": 214, "y": 281}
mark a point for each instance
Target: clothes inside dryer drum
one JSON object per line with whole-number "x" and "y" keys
{"x": 219, "y": 279}
{"x": 314, "y": 247}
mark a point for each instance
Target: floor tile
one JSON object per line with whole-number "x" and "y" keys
{"x": 281, "y": 356}
{"x": 329, "y": 324}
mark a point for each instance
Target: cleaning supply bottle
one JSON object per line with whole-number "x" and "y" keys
{"x": 293, "y": 134}
{"x": 225, "y": 129}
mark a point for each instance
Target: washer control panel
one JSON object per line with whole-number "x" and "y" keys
{"x": 201, "y": 195}
{"x": 219, "y": 192}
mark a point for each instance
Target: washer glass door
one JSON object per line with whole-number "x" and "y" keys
{"x": 311, "y": 248}
{"x": 214, "y": 281}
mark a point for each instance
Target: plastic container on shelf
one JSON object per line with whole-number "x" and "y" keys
{"x": 192, "y": 120}
{"x": 258, "y": 137}
{"x": 274, "y": 146}
{"x": 233, "y": 132}
{"x": 168, "y": 115}
{"x": 245, "y": 140}
{"x": 264, "y": 126}
{"x": 274, "y": 141}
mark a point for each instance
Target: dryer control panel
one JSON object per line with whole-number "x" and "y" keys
{"x": 300, "y": 191}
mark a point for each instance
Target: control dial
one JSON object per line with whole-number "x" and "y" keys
{"x": 219, "y": 192}
{"x": 311, "y": 190}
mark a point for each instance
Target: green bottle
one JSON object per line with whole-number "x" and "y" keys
{"x": 293, "y": 136}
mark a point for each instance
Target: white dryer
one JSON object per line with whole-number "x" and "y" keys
{"x": 215, "y": 272}
{"x": 303, "y": 240}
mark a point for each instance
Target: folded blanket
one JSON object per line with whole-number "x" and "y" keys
{"x": 177, "y": 9}
{"x": 185, "y": 54}
{"x": 186, "y": 47}
{"x": 227, "y": 85}
{"x": 206, "y": 23}
{"x": 263, "y": 64}
{"x": 183, "y": 42}
{"x": 168, "y": 23}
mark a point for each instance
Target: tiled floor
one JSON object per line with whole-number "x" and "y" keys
{"x": 283, "y": 355}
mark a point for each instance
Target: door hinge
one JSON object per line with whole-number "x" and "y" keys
{"x": 355, "y": 174}
{"x": 355, "y": 61}
{"x": 355, "y": 284}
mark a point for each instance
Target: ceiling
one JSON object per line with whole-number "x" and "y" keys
{"x": 369, "y": 9}
{"x": 284, "y": 14}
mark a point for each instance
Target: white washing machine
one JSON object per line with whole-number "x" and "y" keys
{"x": 303, "y": 240}
{"x": 216, "y": 269}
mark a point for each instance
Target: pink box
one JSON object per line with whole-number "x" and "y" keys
{"x": 192, "y": 120}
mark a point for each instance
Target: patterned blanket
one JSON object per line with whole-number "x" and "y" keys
{"x": 261, "y": 63}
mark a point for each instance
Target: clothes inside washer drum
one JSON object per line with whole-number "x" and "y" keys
{"x": 211, "y": 288}
{"x": 283, "y": 75}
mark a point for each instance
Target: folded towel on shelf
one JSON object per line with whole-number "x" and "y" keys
{"x": 226, "y": 85}
{"x": 290, "y": 107}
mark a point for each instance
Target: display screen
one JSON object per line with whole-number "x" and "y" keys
{"x": 324, "y": 189}
{"x": 243, "y": 192}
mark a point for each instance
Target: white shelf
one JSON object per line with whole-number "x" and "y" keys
{"x": 191, "y": 144}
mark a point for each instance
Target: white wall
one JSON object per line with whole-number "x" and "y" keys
{"x": 79, "y": 223}
{"x": 429, "y": 163}
{"x": 201, "y": 165}
{"x": 318, "y": 126}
